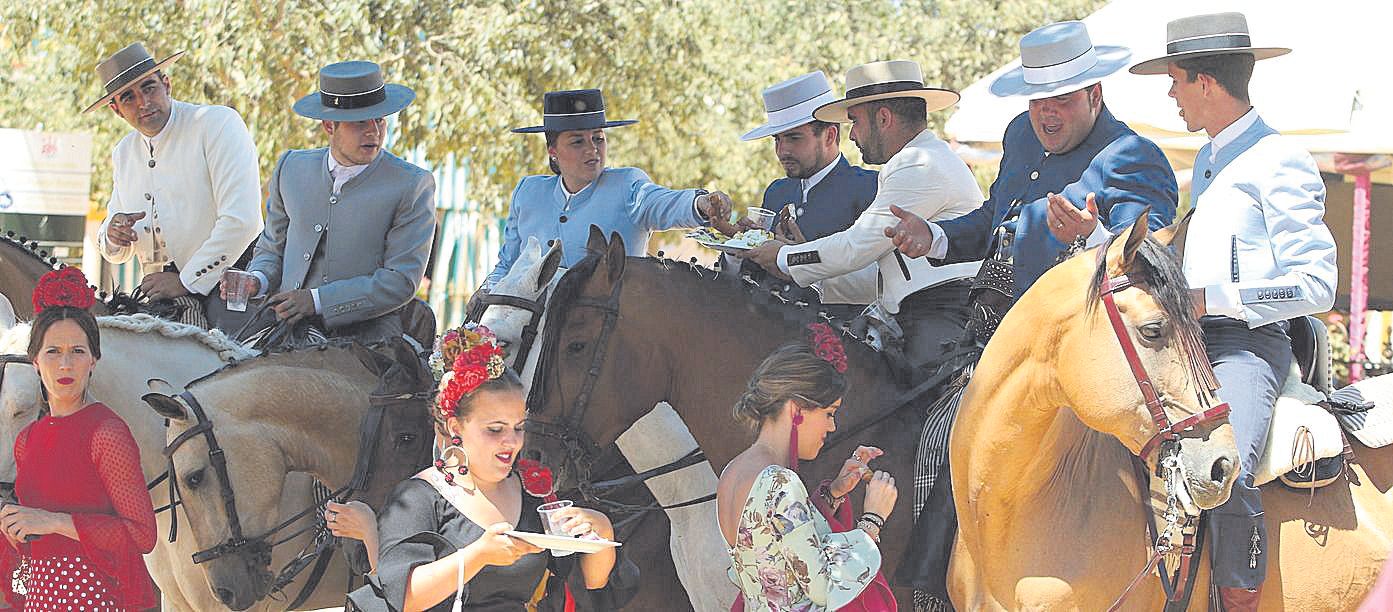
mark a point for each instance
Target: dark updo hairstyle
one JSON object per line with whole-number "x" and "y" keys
{"x": 552, "y": 137}
{"x": 53, "y": 314}
{"x": 507, "y": 381}
{"x": 791, "y": 372}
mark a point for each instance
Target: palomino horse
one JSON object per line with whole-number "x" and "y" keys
{"x": 305, "y": 410}
{"x": 139, "y": 348}
{"x": 1050, "y": 513}
{"x": 514, "y": 310}
{"x": 624, "y": 334}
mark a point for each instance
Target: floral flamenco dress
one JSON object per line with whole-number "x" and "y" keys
{"x": 786, "y": 556}
{"x": 87, "y": 465}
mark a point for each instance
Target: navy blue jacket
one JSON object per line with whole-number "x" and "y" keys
{"x": 1126, "y": 172}
{"x": 834, "y": 202}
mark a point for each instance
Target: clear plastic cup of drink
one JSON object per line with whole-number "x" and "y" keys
{"x": 762, "y": 219}
{"x": 552, "y": 524}
{"x": 237, "y": 286}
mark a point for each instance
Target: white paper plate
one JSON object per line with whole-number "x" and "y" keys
{"x": 542, "y": 540}
{"x": 723, "y": 247}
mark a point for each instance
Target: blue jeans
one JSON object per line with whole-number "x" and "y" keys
{"x": 1251, "y": 365}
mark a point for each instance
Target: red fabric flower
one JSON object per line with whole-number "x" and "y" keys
{"x": 828, "y": 346}
{"x": 536, "y": 479}
{"x": 64, "y": 287}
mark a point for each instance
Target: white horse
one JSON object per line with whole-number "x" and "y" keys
{"x": 139, "y": 354}
{"x": 655, "y": 440}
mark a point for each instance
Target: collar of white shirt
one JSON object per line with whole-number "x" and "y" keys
{"x": 1227, "y": 135}
{"x": 343, "y": 173}
{"x": 151, "y": 141}
{"x": 812, "y": 181}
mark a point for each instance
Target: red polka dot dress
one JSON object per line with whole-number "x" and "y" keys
{"x": 86, "y": 465}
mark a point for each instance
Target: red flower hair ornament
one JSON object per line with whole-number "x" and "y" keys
{"x": 474, "y": 358}
{"x": 828, "y": 346}
{"x": 63, "y": 287}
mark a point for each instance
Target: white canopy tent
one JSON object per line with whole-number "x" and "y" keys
{"x": 1330, "y": 95}
{"x": 1329, "y": 83}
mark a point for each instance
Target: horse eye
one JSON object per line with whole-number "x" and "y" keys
{"x": 404, "y": 439}
{"x": 576, "y": 347}
{"x": 194, "y": 479}
{"x": 1152, "y": 331}
{"x": 503, "y": 344}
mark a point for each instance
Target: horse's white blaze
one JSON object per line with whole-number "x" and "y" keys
{"x": 698, "y": 549}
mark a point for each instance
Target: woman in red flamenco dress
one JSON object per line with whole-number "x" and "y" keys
{"x": 83, "y": 517}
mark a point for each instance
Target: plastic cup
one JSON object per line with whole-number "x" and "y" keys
{"x": 552, "y": 526}
{"x": 763, "y": 219}
{"x": 237, "y": 285}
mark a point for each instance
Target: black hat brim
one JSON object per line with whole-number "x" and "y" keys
{"x": 538, "y": 129}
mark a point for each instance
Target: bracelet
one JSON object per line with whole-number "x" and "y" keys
{"x": 870, "y": 528}
{"x": 827, "y": 496}
{"x": 873, "y": 518}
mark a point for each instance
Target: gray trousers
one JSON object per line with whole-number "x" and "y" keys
{"x": 1251, "y": 365}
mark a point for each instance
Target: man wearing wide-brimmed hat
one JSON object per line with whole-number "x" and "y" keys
{"x": 822, "y": 191}
{"x": 186, "y": 194}
{"x": 887, "y": 105}
{"x": 1069, "y": 172}
{"x": 1257, "y": 253}
{"x": 323, "y": 254}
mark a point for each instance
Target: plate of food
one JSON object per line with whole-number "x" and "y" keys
{"x": 742, "y": 241}
{"x": 555, "y": 542}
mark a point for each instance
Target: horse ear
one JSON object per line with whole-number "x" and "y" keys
{"x": 1136, "y": 235}
{"x": 596, "y": 243}
{"x": 550, "y": 265}
{"x": 168, "y": 407}
{"x": 160, "y": 385}
{"x": 1174, "y": 235}
{"x": 615, "y": 258}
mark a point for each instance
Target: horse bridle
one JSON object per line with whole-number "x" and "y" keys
{"x": 529, "y": 331}
{"x": 1166, "y": 438}
{"x": 580, "y": 448}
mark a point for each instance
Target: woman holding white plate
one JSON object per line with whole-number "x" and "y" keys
{"x": 445, "y": 532}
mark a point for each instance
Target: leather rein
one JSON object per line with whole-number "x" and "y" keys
{"x": 1166, "y": 439}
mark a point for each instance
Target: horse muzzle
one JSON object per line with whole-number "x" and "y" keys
{"x": 1208, "y": 469}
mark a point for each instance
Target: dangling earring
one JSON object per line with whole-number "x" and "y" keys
{"x": 793, "y": 439}
{"x": 461, "y": 467}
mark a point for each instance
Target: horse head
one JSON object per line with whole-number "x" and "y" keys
{"x": 512, "y": 309}
{"x": 582, "y": 315}
{"x": 1133, "y": 330}
{"x": 235, "y": 435}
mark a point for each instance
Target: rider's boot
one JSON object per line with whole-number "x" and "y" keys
{"x": 1238, "y": 599}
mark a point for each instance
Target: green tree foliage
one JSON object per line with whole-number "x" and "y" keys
{"x": 691, "y": 71}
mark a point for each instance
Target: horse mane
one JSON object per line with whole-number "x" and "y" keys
{"x": 227, "y": 349}
{"x": 16, "y": 340}
{"x": 568, "y": 289}
{"x": 1157, "y": 267}
{"x": 31, "y": 248}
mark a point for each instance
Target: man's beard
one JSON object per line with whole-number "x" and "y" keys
{"x": 873, "y": 151}
{"x": 805, "y": 171}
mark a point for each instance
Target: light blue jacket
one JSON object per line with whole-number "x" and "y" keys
{"x": 621, "y": 200}
{"x": 1258, "y": 244}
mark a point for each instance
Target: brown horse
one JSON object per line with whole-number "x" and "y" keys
{"x": 1051, "y": 515}
{"x": 21, "y": 265}
{"x": 297, "y": 411}
{"x": 691, "y": 338}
